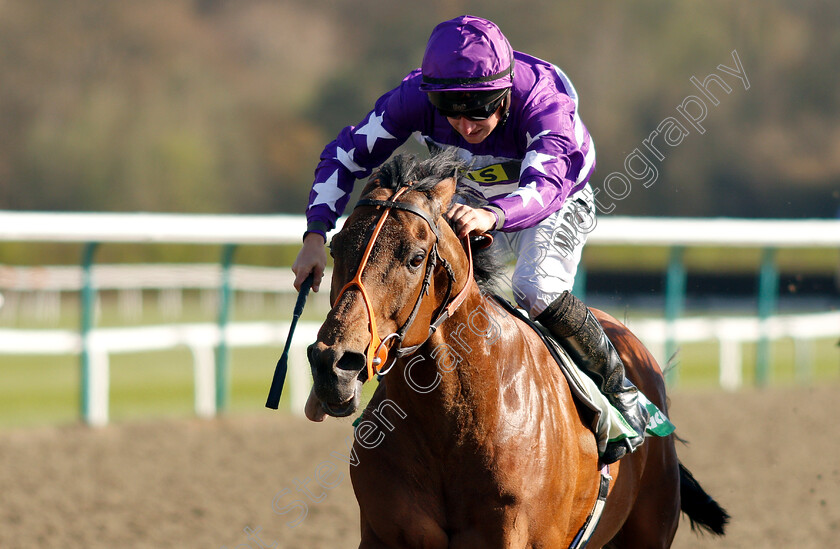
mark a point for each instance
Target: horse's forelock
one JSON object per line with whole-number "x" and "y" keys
{"x": 422, "y": 174}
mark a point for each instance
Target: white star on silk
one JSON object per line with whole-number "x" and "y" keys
{"x": 532, "y": 139}
{"x": 346, "y": 158}
{"x": 527, "y": 193}
{"x": 328, "y": 192}
{"x": 534, "y": 159}
{"x": 373, "y": 130}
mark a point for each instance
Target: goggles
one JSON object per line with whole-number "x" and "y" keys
{"x": 474, "y": 106}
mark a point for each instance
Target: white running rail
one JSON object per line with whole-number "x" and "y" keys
{"x": 201, "y": 339}
{"x": 730, "y": 333}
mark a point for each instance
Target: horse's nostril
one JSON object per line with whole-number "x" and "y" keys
{"x": 345, "y": 365}
{"x": 351, "y": 361}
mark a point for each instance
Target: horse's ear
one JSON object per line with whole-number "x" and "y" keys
{"x": 443, "y": 192}
{"x": 373, "y": 183}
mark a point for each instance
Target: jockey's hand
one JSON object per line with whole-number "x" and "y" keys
{"x": 312, "y": 258}
{"x": 467, "y": 219}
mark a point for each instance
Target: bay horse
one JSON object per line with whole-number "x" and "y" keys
{"x": 472, "y": 438}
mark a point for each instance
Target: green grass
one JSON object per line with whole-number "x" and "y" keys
{"x": 45, "y": 390}
{"x": 697, "y": 364}
{"x": 38, "y": 390}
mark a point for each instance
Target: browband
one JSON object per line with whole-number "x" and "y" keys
{"x": 401, "y": 206}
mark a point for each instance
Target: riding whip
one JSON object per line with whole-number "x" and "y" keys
{"x": 283, "y": 364}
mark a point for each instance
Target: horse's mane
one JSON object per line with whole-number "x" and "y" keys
{"x": 423, "y": 174}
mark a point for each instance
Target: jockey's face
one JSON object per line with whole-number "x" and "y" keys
{"x": 475, "y": 131}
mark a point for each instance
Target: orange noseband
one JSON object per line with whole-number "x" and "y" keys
{"x": 377, "y": 352}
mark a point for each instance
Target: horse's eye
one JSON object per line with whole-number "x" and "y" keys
{"x": 416, "y": 260}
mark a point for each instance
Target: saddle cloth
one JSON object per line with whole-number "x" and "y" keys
{"x": 607, "y": 423}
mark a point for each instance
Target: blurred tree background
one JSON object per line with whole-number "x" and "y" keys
{"x": 225, "y": 105}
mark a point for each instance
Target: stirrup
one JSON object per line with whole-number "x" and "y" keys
{"x": 635, "y": 414}
{"x": 617, "y": 450}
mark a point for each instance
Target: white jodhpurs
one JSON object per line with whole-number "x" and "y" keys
{"x": 547, "y": 255}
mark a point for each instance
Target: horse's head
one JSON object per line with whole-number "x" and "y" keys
{"x": 397, "y": 264}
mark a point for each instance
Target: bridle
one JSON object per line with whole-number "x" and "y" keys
{"x": 377, "y": 352}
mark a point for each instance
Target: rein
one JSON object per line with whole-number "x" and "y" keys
{"x": 377, "y": 352}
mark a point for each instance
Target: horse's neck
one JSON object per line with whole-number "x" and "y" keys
{"x": 455, "y": 376}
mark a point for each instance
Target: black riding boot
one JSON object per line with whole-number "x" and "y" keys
{"x": 581, "y": 335}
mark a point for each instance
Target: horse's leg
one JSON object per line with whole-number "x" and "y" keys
{"x": 369, "y": 538}
{"x": 655, "y": 515}
{"x": 507, "y": 529}
{"x": 418, "y": 532}
{"x": 370, "y": 541}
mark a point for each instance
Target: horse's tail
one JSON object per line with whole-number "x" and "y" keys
{"x": 703, "y": 511}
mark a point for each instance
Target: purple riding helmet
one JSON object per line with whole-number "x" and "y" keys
{"x": 467, "y": 68}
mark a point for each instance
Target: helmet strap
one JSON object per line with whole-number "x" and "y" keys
{"x": 505, "y": 109}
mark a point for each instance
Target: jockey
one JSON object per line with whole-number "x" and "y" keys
{"x": 514, "y": 120}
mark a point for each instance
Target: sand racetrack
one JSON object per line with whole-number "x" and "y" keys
{"x": 770, "y": 457}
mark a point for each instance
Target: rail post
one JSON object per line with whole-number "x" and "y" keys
{"x": 579, "y": 289}
{"x": 674, "y": 301}
{"x": 222, "y": 349}
{"x": 768, "y": 289}
{"x": 88, "y": 311}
